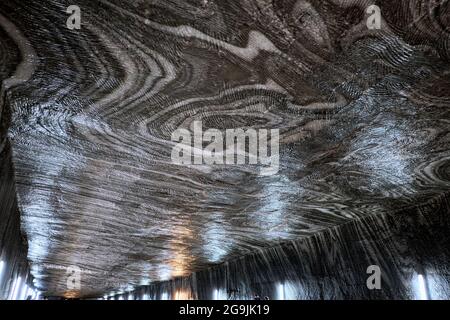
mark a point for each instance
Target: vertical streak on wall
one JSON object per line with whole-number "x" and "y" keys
{"x": 407, "y": 245}
{"x": 12, "y": 245}
{"x": 13, "y": 248}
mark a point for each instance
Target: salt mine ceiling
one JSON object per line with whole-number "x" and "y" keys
{"x": 362, "y": 115}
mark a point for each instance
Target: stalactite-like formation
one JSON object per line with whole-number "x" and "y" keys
{"x": 13, "y": 248}
{"x": 332, "y": 264}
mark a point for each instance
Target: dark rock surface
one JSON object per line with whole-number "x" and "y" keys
{"x": 363, "y": 118}
{"x": 333, "y": 264}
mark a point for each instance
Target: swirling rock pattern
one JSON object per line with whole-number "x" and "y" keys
{"x": 362, "y": 114}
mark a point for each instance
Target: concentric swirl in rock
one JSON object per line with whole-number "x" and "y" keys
{"x": 362, "y": 116}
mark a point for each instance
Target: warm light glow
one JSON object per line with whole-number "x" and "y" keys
{"x": 29, "y": 293}
{"x": 180, "y": 259}
{"x": 71, "y": 294}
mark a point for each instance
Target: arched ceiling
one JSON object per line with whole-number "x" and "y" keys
{"x": 362, "y": 114}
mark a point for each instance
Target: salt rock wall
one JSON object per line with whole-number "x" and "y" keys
{"x": 333, "y": 264}
{"x": 363, "y": 119}
{"x": 13, "y": 245}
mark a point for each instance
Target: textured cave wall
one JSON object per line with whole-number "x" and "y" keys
{"x": 13, "y": 244}
{"x": 333, "y": 264}
{"x": 363, "y": 119}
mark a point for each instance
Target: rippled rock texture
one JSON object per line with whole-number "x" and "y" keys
{"x": 363, "y": 119}
{"x": 13, "y": 253}
{"x": 332, "y": 264}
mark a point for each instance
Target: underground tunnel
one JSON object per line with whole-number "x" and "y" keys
{"x": 225, "y": 150}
